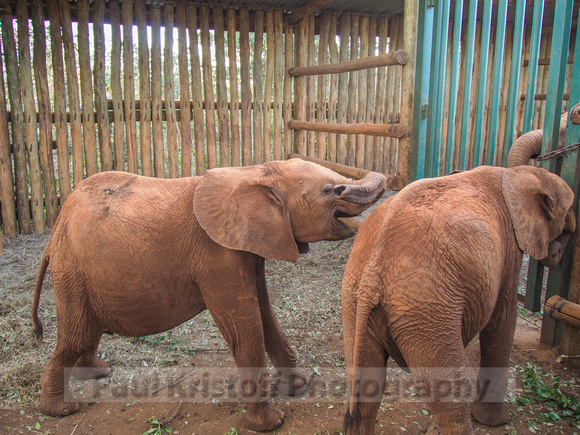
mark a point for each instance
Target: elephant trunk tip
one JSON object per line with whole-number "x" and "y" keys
{"x": 352, "y": 422}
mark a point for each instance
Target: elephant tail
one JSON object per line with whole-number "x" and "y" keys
{"x": 352, "y": 419}
{"x": 36, "y": 300}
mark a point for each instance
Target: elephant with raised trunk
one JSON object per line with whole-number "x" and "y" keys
{"x": 430, "y": 269}
{"x": 136, "y": 256}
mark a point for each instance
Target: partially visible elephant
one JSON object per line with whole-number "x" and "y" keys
{"x": 136, "y": 256}
{"x": 430, "y": 269}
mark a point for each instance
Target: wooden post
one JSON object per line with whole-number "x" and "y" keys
{"x": 59, "y": 101}
{"x": 371, "y": 95}
{"x": 73, "y": 92}
{"x": 268, "y": 82}
{"x": 257, "y": 112}
{"x": 287, "y": 109}
{"x": 87, "y": 97}
{"x": 6, "y": 177}
{"x": 408, "y": 87}
{"x": 156, "y": 98}
{"x": 144, "y": 89}
{"x": 17, "y": 121}
{"x": 184, "y": 96}
{"x": 100, "y": 87}
{"x": 380, "y": 95}
{"x": 116, "y": 90}
{"x": 44, "y": 114}
{"x": 362, "y": 91}
{"x": 170, "y": 116}
{"x": 321, "y": 99}
{"x": 30, "y": 120}
{"x": 343, "y": 79}
{"x": 352, "y": 90}
{"x": 300, "y": 85}
{"x": 222, "y": 96}
{"x": 196, "y": 90}
{"x": 332, "y": 88}
{"x": 234, "y": 96}
{"x": 246, "y": 89}
{"x": 278, "y": 82}
{"x": 208, "y": 86}
{"x": 129, "y": 86}
{"x": 311, "y": 89}
{"x": 571, "y": 339}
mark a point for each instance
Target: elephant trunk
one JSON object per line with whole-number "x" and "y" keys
{"x": 365, "y": 191}
{"x": 558, "y": 246}
{"x": 529, "y": 145}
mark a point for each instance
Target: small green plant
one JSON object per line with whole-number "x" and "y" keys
{"x": 157, "y": 428}
{"x": 555, "y": 405}
{"x": 232, "y": 431}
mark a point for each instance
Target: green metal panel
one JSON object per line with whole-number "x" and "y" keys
{"x": 559, "y": 277}
{"x": 482, "y": 83}
{"x": 535, "y": 39}
{"x": 497, "y": 77}
{"x": 514, "y": 78}
{"x": 454, "y": 79}
{"x": 470, "y": 48}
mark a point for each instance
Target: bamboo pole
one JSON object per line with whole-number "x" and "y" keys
{"x": 390, "y": 130}
{"x": 144, "y": 89}
{"x": 561, "y": 309}
{"x": 343, "y": 79}
{"x": 73, "y": 92}
{"x": 184, "y": 96}
{"x": 398, "y": 57}
{"x": 352, "y": 91}
{"x": 88, "y": 110}
{"x": 311, "y": 89}
{"x": 300, "y": 85}
{"x": 362, "y": 91}
{"x": 60, "y": 121}
{"x": 169, "y": 92}
{"x": 371, "y": 95}
{"x": 287, "y": 108}
{"x": 278, "y": 82}
{"x": 268, "y": 83}
{"x": 208, "y": 86}
{"x": 100, "y": 87}
{"x": 8, "y": 210}
{"x": 18, "y": 138}
{"x": 44, "y": 114}
{"x": 116, "y": 90}
{"x": 380, "y": 94}
{"x": 258, "y": 122}
{"x": 129, "y": 86}
{"x": 222, "y": 95}
{"x": 234, "y": 96}
{"x": 196, "y": 90}
{"x": 322, "y": 84}
{"x": 30, "y": 119}
{"x": 156, "y": 93}
{"x": 333, "y": 91}
{"x": 246, "y": 89}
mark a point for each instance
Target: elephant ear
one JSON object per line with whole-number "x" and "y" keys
{"x": 238, "y": 210}
{"x": 537, "y": 201}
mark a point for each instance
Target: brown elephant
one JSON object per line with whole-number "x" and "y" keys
{"x": 136, "y": 256}
{"x": 430, "y": 269}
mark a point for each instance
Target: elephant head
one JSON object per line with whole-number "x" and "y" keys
{"x": 540, "y": 206}
{"x": 274, "y": 210}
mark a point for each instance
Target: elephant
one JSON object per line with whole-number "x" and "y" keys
{"x": 135, "y": 256}
{"x": 430, "y": 269}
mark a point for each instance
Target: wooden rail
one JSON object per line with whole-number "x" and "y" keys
{"x": 399, "y": 57}
{"x": 561, "y": 309}
{"x": 387, "y": 130}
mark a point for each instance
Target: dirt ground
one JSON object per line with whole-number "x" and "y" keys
{"x": 162, "y": 377}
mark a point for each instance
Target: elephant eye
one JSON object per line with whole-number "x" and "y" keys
{"x": 327, "y": 190}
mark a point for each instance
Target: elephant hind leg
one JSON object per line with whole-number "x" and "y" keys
{"x": 91, "y": 366}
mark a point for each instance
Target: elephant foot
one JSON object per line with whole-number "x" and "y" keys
{"x": 490, "y": 413}
{"x": 55, "y": 406}
{"x": 262, "y": 417}
{"x": 293, "y": 382}
{"x": 97, "y": 369}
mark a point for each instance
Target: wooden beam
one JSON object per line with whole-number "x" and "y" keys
{"x": 305, "y": 10}
{"x": 390, "y": 130}
{"x": 561, "y": 309}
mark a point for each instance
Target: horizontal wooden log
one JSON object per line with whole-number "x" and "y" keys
{"x": 546, "y": 61}
{"x": 389, "y": 130}
{"x": 561, "y": 309}
{"x": 394, "y": 182}
{"x": 399, "y": 57}
{"x": 542, "y": 97}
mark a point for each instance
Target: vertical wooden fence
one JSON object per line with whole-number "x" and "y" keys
{"x": 174, "y": 89}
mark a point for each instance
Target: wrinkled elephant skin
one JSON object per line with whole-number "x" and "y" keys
{"x": 430, "y": 269}
{"x": 136, "y": 256}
